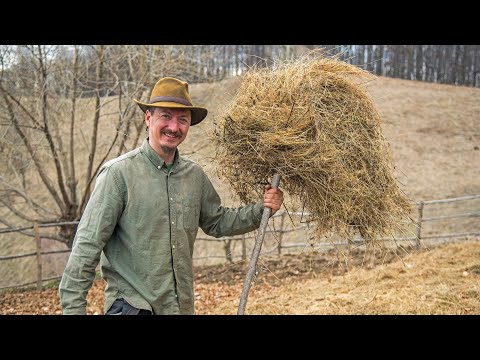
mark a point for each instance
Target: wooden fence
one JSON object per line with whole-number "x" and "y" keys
{"x": 227, "y": 241}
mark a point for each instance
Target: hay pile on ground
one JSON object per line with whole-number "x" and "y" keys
{"x": 312, "y": 121}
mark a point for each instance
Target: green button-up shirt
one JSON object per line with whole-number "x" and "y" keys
{"x": 141, "y": 223}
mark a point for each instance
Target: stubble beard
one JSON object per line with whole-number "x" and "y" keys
{"x": 168, "y": 150}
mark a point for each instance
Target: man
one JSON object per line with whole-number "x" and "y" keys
{"x": 142, "y": 218}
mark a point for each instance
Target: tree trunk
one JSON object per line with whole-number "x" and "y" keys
{"x": 96, "y": 117}
{"x": 419, "y": 63}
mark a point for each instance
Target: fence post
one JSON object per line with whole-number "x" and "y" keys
{"x": 228, "y": 251}
{"x": 419, "y": 224}
{"x": 244, "y": 248}
{"x": 38, "y": 242}
{"x": 280, "y": 234}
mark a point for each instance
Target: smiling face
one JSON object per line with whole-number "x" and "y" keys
{"x": 167, "y": 128}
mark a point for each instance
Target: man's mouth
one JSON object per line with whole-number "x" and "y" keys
{"x": 170, "y": 135}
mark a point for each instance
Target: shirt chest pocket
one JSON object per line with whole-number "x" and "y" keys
{"x": 190, "y": 215}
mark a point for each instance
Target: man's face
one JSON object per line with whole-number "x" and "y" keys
{"x": 168, "y": 127}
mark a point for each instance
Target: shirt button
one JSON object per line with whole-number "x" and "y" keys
{"x": 176, "y": 295}
{"x": 171, "y": 199}
{"x": 173, "y": 222}
{"x": 173, "y": 246}
{"x": 159, "y": 167}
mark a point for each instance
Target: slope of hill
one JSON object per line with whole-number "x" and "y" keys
{"x": 433, "y": 131}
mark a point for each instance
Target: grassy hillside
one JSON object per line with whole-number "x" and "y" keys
{"x": 433, "y": 131}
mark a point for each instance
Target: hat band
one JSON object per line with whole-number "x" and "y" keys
{"x": 170, "y": 99}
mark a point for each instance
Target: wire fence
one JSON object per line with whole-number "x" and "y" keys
{"x": 278, "y": 233}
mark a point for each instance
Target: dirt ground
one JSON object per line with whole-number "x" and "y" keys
{"x": 440, "y": 280}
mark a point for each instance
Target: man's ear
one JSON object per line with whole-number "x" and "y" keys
{"x": 147, "y": 118}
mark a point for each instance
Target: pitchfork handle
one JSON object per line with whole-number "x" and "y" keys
{"x": 256, "y": 251}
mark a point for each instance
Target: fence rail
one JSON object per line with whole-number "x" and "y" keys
{"x": 9, "y": 230}
{"x": 39, "y": 253}
{"x": 470, "y": 197}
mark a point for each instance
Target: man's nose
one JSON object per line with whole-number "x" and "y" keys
{"x": 173, "y": 125}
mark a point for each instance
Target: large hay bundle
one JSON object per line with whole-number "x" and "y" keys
{"x": 312, "y": 121}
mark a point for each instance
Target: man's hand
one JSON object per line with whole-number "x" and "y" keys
{"x": 273, "y": 198}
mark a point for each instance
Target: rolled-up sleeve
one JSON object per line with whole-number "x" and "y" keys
{"x": 217, "y": 221}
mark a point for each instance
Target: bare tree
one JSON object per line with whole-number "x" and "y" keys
{"x": 65, "y": 111}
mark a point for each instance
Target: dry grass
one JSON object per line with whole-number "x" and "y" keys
{"x": 312, "y": 121}
{"x": 444, "y": 280}
{"x": 434, "y": 135}
{"x": 441, "y": 280}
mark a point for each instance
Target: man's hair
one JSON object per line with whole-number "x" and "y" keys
{"x": 153, "y": 108}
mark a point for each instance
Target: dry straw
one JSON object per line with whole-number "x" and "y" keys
{"x": 312, "y": 121}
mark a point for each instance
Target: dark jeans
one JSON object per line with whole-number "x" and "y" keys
{"x": 121, "y": 307}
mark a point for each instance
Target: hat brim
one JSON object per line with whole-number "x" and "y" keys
{"x": 198, "y": 113}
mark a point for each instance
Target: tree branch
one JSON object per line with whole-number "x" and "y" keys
{"x": 48, "y": 135}
{"x": 36, "y": 161}
{"x": 26, "y": 197}
{"x": 11, "y": 207}
{"x": 72, "y": 181}
{"x": 16, "y": 101}
{"x": 93, "y": 142}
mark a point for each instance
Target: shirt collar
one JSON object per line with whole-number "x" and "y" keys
{"x": 155, "y": 159}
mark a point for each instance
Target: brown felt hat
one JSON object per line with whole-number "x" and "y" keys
{"x": 169, "y": 92}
